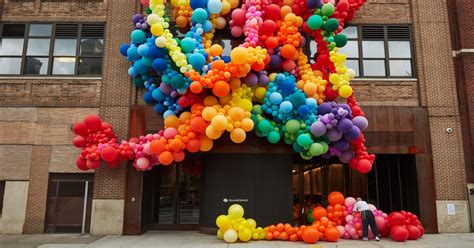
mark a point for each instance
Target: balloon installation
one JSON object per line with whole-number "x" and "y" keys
{"x": 330, "y": 224}
{"x": 266, "y": 85}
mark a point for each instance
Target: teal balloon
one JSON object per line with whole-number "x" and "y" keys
{"x": 332, "y": 24}
{"x": 197, "y": 60}
{"x": 177, "y": 82}
{"x": 138, "y": 36}
{"x": 138, "y": 82}
{"x": 341, "y": 40}
{"x": 304, "y": 140}
{"x": 199, "y": 15}
{"x": 315, "y": 22}
{"x": 327, "y": 9}
{"x": 292, "y": 126}
{"x": 188, "y": 44}
{"x": 316, "y": 149}
{"x": 273, "y": 137}
{"x": 297, "y": 148}
{"x": 264, "y": 126}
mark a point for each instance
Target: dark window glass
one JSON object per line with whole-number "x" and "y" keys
{"x": 2, "y": 193}
{"x": 92, "y": 47}
{"x": 36, "y": 66}
{"x": 90, "y": 66}
{"x": 72, "y": 189}
{"x": 13, "y": 30}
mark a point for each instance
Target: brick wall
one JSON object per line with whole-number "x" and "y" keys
{"x": 384, "y": 12}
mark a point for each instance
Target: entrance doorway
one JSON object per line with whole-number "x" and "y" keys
{"x": 175, "y": 198}
{"x": 69, "y": 203}
{"x": 391, "y": 185}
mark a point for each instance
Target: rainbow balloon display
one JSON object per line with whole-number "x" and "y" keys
{"x": 266, "y": 85}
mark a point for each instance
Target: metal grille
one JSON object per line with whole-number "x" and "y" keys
{"x": 66, "y": 30}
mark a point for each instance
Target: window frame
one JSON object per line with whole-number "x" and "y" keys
{"x": 49, "y": 73}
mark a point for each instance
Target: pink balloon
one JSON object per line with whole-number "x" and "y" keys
{"x": 341, "y": 229}
{"x": 372, "y": 207}
{"x": 352, "y": 232}
{"x": 349, "y": 218}
{"x": 349, "y": 202}
{"x": 236, "y": 31}
{"x": 146, "y": 148}
{"x": 381, "y": 222}
{"x": 143, "y": 163}
{"x": 170, "y": 132}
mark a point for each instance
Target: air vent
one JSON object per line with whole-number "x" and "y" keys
{"x": 398, "y": 32}
{"x": 66, "y": 30}
{"x": 92, "y": 30}
{"x": 372, "y": 33}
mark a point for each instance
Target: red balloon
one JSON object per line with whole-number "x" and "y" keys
{"x": 113, "y": 164}
{"x": 92, "y": 164}
{"x": 79, "y": 141}
{"x": 81, "y": 164}
{"x": 109, "y": 154}
{"x": 93, "y": 122}
{"x": 178, "y": 156}
{"x": 364, "y": 166}
{"x": 198, "y": 124}
{"x": 193, "y": 145}
{"x": 342, "y": 6}
{"x": 268, "y": 26}
{"x": 413, "y": 232}
{"x": 238, "y": 16}
{"x": 80, "y": 128}
{"x": 399, "y": 233}
{"x": 396, "y": 219}
{"x": 271, "y": 42}
{"x": 422, "y": 229}
{"x": 272, "y": 11}
{"x": 310, "y": 235}
{"x": 183, "y": 102}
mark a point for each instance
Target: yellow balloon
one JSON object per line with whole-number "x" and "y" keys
{"x": 245, "y": 104}
{"x": 255, "y": 236}
{"x": 260, "y": 92}
{"x": 210, "y": 100}
{"x": 247, "y": 124}
{"x": 157, "y": 29}
{"x": 245, "y": 235}
{"x": 219, "y": 123}
{"x": 172, "y": 121}
{"x": 235, "y": 211}
{"x": 239, "y": 55}
{"x": 252, "y": 223}
{"x": 211, "y": 133}
{"x": 220, "y": 234}
{"x": 238, "y": 135}
{"x": 222, "y": 220}
{"x": 345, "y": 91}
{"x": 215, "y": 50}
{"x": 230, "y": 236}
{"x": 208, "y": 113}
{"x": 236, "y": 113}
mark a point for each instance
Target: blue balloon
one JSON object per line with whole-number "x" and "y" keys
{"x": 159, "y": 108}
{"x": 168, "y": 113}
{"x": 147, "y": 61}
{"x": 148, "y": 98}
{"x": 207, "y": 26}
{"x": 140, "y": 67}
{"x": 276, "y": 98}
{"x": 297, "y": 148}
{"x": 197, "y": 60}
{"x": 313, "y": 4}
{"x": 138, "y": 36}
{"x": 132, "y": 53}
{"x": 304, "y": 110}
{"x": 214, "y": 6}
{"x": 199, "y": 15}
{"x": 226, "y": 59}
{"x": 156, "y": 52}
{"x": 160, "y": 65}
{"x": 132, "y": 72}
{"x": 287, "y": 86}
{"x": 311, "y": 102}
{"x": 143, "y": 50}
{"x": 286, "y": 107}
{"x": 124, "y": 49}
{"x": 197, "y": 4}
{"x": 157, "y": 95}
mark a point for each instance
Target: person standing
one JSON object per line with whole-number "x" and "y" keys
{"x": 368, "y": 218}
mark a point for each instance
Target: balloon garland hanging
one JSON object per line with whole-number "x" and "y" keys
{"x": 266, "y": 85}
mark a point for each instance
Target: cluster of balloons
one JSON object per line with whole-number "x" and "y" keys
{"x": 266, "y": 85}
{"x": 234, "y": 226}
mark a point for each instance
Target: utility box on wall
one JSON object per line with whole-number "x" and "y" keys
{"x": 261, "y": 183}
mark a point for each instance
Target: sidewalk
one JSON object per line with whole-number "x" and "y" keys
{"x": 194, "y": 239}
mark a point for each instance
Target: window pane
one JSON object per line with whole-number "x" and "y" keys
{"x": 10, "y": 65}
{"x": 40, "y": 30}
{"x": 36, "y": 66}
{"x": 354, "y": 65}
{"x": 11, "y": 46}
{"x": 399, "y": 49}
{"x": 90, "y": 66}
{"x": 64, "y": 66}
{"x": 227, "y": 47}
{"x": 350, "y": 49}
{"x": 13, "y": 30}
{"x": 92, "y": 46}
{"x": 374, "y": 68}
{"x": 65, "y": 47}
{"x": 400, "y": 68}
{"x": 373, "y": 49}
{"x": 38, "y": 47}
{"x": 350, "y": 32}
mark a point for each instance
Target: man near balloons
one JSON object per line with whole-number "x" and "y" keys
{"x": 367, "y": 218}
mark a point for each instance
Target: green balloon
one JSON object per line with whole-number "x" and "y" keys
{"x": 304, "y": 140}
{"x": 306, "y": 155}
{"x": 327, "y": 9}
{"x": 325, "y": 147}
{"x": 332, "y": 24}
{"x": 315, "y": 22}
{"x": 310, "y": 217}
{"x": 257, "y": 109}
{"x": 264, "y": 126}
{"x": 341, "y": 40}
{"x": 292, "y": 126}
{"x": 273, "y": 137}
{"x": 287, "y": 141}
{"x": 148, "y": 10}
{"x": 316, "y": 149}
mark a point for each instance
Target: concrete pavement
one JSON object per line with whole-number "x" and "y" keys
{"x": 184, "y": 239}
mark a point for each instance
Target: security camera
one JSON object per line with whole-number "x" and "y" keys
{"x": 449, "y": 130}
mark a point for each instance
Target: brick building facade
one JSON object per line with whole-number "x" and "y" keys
{"x": 36, "y": 113}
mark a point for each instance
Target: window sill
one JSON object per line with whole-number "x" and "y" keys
{"x": 385, "y": 79}
{"x": 49, "y": 78}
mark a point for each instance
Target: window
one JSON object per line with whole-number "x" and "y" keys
{"x": 379, "y": 51}
{"x": 39, "y": 49}
{"x": 2, "y": 194}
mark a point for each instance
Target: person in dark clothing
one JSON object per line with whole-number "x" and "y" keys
{"x": 368, "y": 218}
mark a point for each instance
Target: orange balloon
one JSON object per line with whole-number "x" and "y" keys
{"x": 288, "y": 51}
{"x": 269, "y": 236}
{"x": 319, "y": 212}
{"x": 276, "y": 235}
{"x": 195, "y": 87}
{"x": 336, "y": 197}
{"x": 178, "y": 156}
{"x": 206, "y": 144}
{"x": 310, "y": 235}
{"x": 165, "y": 158}
{"x": 280, "y": 227}
{"x": 332, "y": 234}
{"x": 221, "y": 88}
{"x": 176, "y": 145}
{"x": 193, "y": 145}
{"x": 181, "y": 21}
{"x": 198, "y": 124}
{"x": 272, "y": 228}
{"x": 284, "y": 236}
{"x": 156, "y": 147}
{"x": 218, "y": 65}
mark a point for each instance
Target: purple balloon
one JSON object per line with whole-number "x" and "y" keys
{"x": 136, "y": 18}
{"x": 353, "y": 134}
{"x": 251, "y": 79}
{"x": 334, "y": 135}
{"x": 263, "y": 80}
{"x": 318, "y": 129}
{"x": 346, "y": 107}
{"x": 324, "y": 108}
{"x": 275, "y": 61}
{"x": 165, "y": 88}
{"x": 313, "y": 4}
{"x": 345, "y": 125}
{"x": 361, "y": 122}
{"x": 346, "y": 156}
{"x": 341, "y": 145}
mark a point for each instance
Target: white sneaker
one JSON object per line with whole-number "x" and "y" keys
{"x": 365, "y": 239}
{"x": 377, "y": 238}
